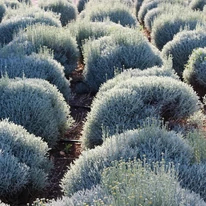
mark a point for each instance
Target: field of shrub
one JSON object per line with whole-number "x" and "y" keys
{"x": 102, "y": 102}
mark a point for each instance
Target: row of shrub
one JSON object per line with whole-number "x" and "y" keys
{"x": 142, "y": 166}
{"x": 177, "y": 35}
{"x": 35, "y": 94}
{"x": 120, "y": 132}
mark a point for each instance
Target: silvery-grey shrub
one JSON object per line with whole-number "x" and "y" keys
{"x": 168, "y": 24}
{"x": 163, "y": 7}
{"x": 24, "y": 10}
{"x": 66, "y": 9}
{"x": 133, "y": 183}
{"x": 137, "y": 183}
{"x": 40, "y": 66}
{"x": 2, "y": 10}
{"x": 115, "y": 11}
{"x": 197, "y": 141}
{"x": 131, "y": 101}
{"x": 197, "y": 4}
{"x": 37, "y": 105}
{"x": 14, "y": 174}
{"x": 24, "y": 160}
{"x": 83, "y": 30}
{"x": 195, "y": 72}
{"x": 181, "y": 47}
{"x": 9, "y": 27}
{"x": 89, "y": 196}
{"x": 152, "y": 141}
{"x": 147, "y": 5}
{"x": 194, "y": 178}
{"x": 126, "y": 48}
{"x": 59, "y": 40}
{"x": 165, "y": 70}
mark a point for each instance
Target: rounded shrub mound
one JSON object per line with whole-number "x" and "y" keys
{"x": 59, "y": 40}
{"x": 150, "y": 141}
{"x": 9, "y": 27}
{"x": 40, "y": 66}
{"x": 37, "y": 105}
{"x": 197, "y": 4}
{"x": 163, "y": 7}
{"x": 131, "y": 101}
{"x": 146, "y": 7}
{"x": 155, "y": 184}
{"x": 164, "y": 71}
{"x": 32, "y": 12}
{"x": 150, "y": 17}
{"x": 181, "y": 47}
{"x": 114, "y": 11}
{"x": 125, "y": 48}
{"x": 67, "y": 10}
{"x": 195, "y": 71}
{"x": 168, "y": 24}
{"x": 24, "y": 162}
{"x": 83, "y": 30}
{"x": 94, "y": 196}
{"x": 134, "y": 183}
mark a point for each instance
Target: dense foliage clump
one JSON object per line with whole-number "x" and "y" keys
{"x": 37, "y": 105}
{"x": 24, "y": 162}
{"x": 195, "y": 71}
{"x": 40, "y": 66}
{"x": 168, "y": 24}
{"x": 126, "y": 48}
{"x": 66, "y": 9}
{"x": 127, "y": 103}
{"x": 181, "y": 47}
{"x": 59, "y": 40}
{"x": 114, "y": 11}
{"x": 152, "y": 141}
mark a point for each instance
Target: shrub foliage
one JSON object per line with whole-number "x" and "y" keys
{"x": 37, "y": 105}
